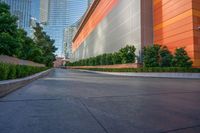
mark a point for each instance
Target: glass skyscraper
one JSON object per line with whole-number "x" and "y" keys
{"x": 21, "y": 9}
{"x": 61, "y": 14}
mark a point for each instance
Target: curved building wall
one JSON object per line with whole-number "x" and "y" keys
{"x": 121, "y": 25}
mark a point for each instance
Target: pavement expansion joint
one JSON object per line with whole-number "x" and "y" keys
{"x": 93, "y": 116}
{"x": 29, "y": 100}
{"x": 181, "y": 129}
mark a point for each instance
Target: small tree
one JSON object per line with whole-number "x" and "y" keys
{"x": 165, "y": 57}
{"x": 181, "y": 58}
{"x": 127, "y": 54}
{"x": 116, "y": 58}
{"x": 151, "y": 56}
{"x": 109, "y": 59}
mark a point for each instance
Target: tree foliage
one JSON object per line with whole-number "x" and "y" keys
{"x": 127, "y": 54}
{"x": 181, "y": 58}
{"x": 124, "y": 55}
{"x": 151, "y": 56}
{"x": 160, "y": 56}
{"x": 9, "y": 44}
{"x": 15, "y": 42}
{"x": 46, "y": 44}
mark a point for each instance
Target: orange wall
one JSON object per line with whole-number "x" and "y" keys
{"x": 102, "y": 10}
{"x": 173, "y": 25}
{"x": 196, "y": 20}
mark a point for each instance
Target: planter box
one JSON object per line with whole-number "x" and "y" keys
{"x": 8, "y": 86}
{"x": 131, "y": 65}
{"x": 13, "y": 60}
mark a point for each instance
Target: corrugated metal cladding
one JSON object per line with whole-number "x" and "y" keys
{"x": 129, "y": 22}
{"x": 176, "y": 25}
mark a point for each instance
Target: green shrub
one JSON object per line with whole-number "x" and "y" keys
{"x": 108, "y": 59}
{"x": 98, "y": 60}
{"x": 11, "y": 71}
{"x": 124, "y": 55}
{"x": 127, "y": 54}
{"x": 160, "y": 56}
{"x": 116, "y": 58}
{"x": 165, "y": 57}
{"x": 151, "y": 56}
{"x": 181, "y": 58}
{"x": 4, "y": 71}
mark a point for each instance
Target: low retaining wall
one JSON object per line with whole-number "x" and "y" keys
{"x": 13, "y": 60}
{"x": 131, "y": 65}
{"x": 8, "y": 86}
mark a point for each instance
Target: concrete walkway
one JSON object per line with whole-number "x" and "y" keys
{"x": 69, "y": 101}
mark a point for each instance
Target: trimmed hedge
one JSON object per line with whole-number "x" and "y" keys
{"x": 124, "y": 55}
{"x": 11, "y": 71}
{"x": 146, "y": 69}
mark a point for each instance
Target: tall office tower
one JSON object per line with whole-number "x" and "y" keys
{"x": 21, "y": 9}
{"x": 44, "y": 11}
{"x": 61, "y": 14}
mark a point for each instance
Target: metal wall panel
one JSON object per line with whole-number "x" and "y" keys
{"x": 120, "y": 27}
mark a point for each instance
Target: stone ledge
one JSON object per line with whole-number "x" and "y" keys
{"x": 150, "y": 75}
{"x": 130, "y": 65}
{"x": 8, "y": 86}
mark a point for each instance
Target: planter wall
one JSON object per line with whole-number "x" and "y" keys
{"x": 131, "y": 65}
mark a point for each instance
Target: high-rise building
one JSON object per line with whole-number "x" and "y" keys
{"x": 61, "y": 14}
{"x": 44, "y": 11}
{"x": 69, "y": 33}
{"x": 21, "y": 9}
{"x": 111, "y": 24}
{"x": 90, "y": 2}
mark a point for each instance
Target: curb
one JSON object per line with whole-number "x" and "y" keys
{"x": 149, "y": 75}
{"x": 9, "y": 86}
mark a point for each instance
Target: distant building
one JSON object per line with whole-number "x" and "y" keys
{"x": 59, "y": 14}
{"x": 44, "y": 11}
{"x": 21, "y": 9}
{"x": 58, "y": 62}
{"x": 69, "y": 33}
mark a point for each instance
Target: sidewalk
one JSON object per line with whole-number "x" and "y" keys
{"x": 150, "y": 74}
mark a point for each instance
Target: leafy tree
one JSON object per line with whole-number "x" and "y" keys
{"x": 127, "y": 54}
{"x": 165, "y": 57}
{"x": 103, "y": 59}
{"x": 181, "y": 58}
{"x": 151, "y": 56}
{"x": 9, "y": 44}
{"x": 46, "y": 44}
{"x": 109, "y": 60}
{"x": 15, "y": 42}
{"x": 116, "y": 58}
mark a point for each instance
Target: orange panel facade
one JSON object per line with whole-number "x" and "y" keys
{"x": 100, "y": 9}
{"x": 176, "y": 25}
